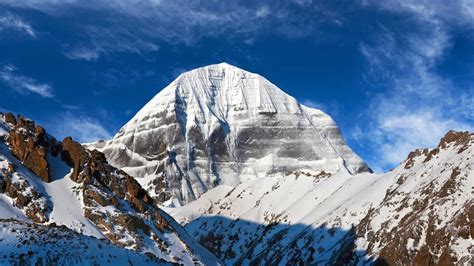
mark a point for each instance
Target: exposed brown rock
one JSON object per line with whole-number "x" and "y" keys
{"x": 24, "y": 196}
{"x": 101, "y": 198}
{"x": 29, "y": 143}
{"x": 435, "y": 249}
{"x": 461, "y": 139}
{"x": 75, "y": 155}
{"x": 409, "y": 162}
{"x": 10, "y": 118}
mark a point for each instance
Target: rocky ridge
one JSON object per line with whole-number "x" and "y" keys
{"x": 105, "y": 200}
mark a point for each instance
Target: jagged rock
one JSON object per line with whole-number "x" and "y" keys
{"x": 35, "y": 205}
{"x": 105, "y": 185}
{"x": 10, "y": 118}
{"x": 75, "y": 156}
{"x": 28, "y": 143}
{"x": 461, "y": 139}
{"x": 91, "y": 167}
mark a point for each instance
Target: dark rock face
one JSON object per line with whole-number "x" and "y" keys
{"x": 29, "y": 143}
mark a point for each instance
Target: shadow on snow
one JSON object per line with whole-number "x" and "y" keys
{"x": 238, "y": 242}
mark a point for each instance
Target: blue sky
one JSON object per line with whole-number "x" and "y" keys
{"x": 395, "y": 75}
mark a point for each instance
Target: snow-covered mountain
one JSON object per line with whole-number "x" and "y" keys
{"x": 420, "y": 213}
{"x": 72, "y": 192}
{"x": 245, "y": 171}
{"x": 221, "y": 125}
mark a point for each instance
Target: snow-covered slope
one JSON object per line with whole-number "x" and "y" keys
{"x": 82, "y": 192}
{"x": 220, "y": 125}
{"x": 24, "y": 243}
{"x": 419, "y": 213}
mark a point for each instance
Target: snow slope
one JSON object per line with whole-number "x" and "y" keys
{"x": 24, "y": 243}
{"x": 321, "y": 218}
{"x": 62, "y": 193}
{"x": 221, "y": 125}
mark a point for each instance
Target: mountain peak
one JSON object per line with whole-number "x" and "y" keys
{"x": 217, "y": 70}
{"x": 220, "y": 124}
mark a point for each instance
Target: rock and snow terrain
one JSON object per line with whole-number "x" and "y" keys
{"x": 421, "y": 212}
{"x": 221, "y": 125}
{"x": 249, "y": 173}
{"x": 63, "y": 184}
{"x": 24, "y": 243}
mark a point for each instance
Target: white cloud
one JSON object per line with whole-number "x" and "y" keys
{"x": 401, "y": 131}
{"x": 313, "y": 104}
{"x": 418, "y": 105}
{"x": 458, "y": 12}
{"x": 82, "y": 53}
{"x": 10, "y": 21}
{"x": 23, "y": 84}
{"x": 81, "y": 128}
{"x": 140, "y": 26}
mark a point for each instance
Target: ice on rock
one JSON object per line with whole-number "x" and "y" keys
{"x": 221, "y": 125}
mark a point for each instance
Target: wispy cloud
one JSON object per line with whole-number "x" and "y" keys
{"x": 10, "y": 21}
{"x": 140, "y": 26}
{"x": 24, "y": 84}
{"x": 80, "y": 127}
{"x": 331, "y": 108}
{"x": 418, "y": 104}
{"x": 313, "y": 104}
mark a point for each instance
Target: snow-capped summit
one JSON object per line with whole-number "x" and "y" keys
{"x": 220, "y": 124}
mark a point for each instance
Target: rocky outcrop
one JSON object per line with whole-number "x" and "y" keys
{"x": 30, "y": 144}
{"x": 24, "y": 196}
{"x": 130, "y": 210}
{"x": 75, "y": 156}
{"x": 92, "y": 168}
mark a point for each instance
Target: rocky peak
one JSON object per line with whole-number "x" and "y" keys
{"x": 459, "y": 140}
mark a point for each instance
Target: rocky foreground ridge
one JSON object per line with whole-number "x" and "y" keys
{"x": 63, "y": 183}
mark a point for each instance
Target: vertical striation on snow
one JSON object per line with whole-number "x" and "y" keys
{"x": 223, "y": 125}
